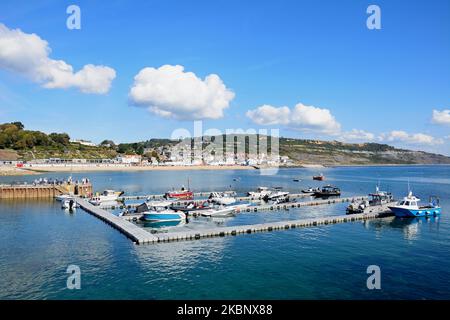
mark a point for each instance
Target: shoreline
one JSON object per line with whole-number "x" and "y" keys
{"x": 14, "y": 171}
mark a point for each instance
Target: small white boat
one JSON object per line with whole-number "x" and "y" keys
{"x": 105, "y": 196}
{"x": 219, "y": 212}
{"x": 69, "y": 204}
{"x": 221, "y": 198}
{"x": 63, "y": 197}
{"x": 277, "y": 197}
{"x": 224, "y": 211}
{"x": 260, "y": 193}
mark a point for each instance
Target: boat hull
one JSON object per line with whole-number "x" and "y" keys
{"x": 176, "y": 216}
{"x": 412, "y": 213}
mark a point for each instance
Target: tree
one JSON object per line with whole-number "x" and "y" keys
{"x": 108, "y": 144}
{"x": 60, "y": 138}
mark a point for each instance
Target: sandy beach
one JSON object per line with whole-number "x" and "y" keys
{"x": 9, "y": 171}
{"x": 13, "y": 171}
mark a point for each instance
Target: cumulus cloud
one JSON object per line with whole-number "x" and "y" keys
{"x": 268, "y": 115}
{"x": 358, "y": 135}
{"x": 28, "y": 55}
{"x": 170, "y": 92}
{"x": 441, "y": 117}
{"x": 414, "y": 139}
{"x": 301, "y": 117}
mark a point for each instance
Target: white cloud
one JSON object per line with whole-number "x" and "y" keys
{"x": 358, "y": 135}
{"x": 304, "y": 118}
{"x": 170, "y": 92}
{"x": 415, "y": 138}
{"x": 441, "y": 117}
{"x": 268, "y": 115}
{"x": 28, "y": 55}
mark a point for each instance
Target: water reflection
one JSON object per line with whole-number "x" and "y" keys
{"x": 411, "y": 227}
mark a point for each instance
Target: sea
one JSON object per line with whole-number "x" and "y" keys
{"x": 40, "y": 242}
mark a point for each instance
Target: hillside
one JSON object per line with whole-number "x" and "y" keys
{"x": 338, "y": 153}
{"x": 16, "y": 143}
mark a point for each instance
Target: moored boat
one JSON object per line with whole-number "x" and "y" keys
{"x": 409, "y": 207}
{"x": 182, "y": 194}
{"x": 106, "y": 196}
{"x": 320, "y": 177}
{"x": 327, "y": 191}
{"x": 259, "y": 194}
{"x": 310, "y": 190}
{"x": 221, "y": 198}
{"x": 378, "y": 201}
{"x": 161, "y": 211}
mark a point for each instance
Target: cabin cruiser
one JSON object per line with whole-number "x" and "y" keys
{"x": 161, "y": 211}
{"x": 409, "y": 207}
{"x": 221, "y": 198}
{"x": 182, "y": 194}
{"x": 106, "y": 196}
{"x": 380, "y": 201}
{"x": 259, "y": 194}
{"x": 327, "y": 191}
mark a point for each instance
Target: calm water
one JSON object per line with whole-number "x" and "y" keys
{"x": 38, "y": 241}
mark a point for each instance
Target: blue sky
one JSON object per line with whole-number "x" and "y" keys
{"x": 277, "y": 53}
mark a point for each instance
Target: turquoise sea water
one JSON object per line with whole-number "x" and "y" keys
{"x": 38, "y": 241}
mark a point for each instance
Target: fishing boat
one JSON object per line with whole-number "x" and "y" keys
{"x": 320, "y": 177}
{"x": 378, "y": 201}
{"x": 310, "y": 190}
{"x": 221, "y": 198}
{"x": 409, "y": 207}
{"x": 182, "y": 194}
{"x": 161, "y": 211}
{"x": 296, "y": 179}
{"x": 106, "y": 196}
{"x": 327, "y": 191}
{"x": 259, "y": 194}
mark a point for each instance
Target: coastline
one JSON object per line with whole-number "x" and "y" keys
{"x": 14, "y": 171}
{"x": 39, "y": 170}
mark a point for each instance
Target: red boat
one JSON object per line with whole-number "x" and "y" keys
{"x": 182, "y": 194}
{"x": 320, "y": 177}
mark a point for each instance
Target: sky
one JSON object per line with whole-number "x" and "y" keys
{"x": 137, "y": 70}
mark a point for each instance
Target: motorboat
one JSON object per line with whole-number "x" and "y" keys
{"x": 106, "y": 196}
{"x": 69, "y": 204}
{"x": 378, "y": 201}
{"x": 260, "y": 193}
{"x": 63, "y": 197}
{"x": 409, "y": 207}
{"x": 310, "y": 190}
{"x": 181, "y": 194}
{"x": 327, "y": 191}
{"x": 221, "y": 198}
{"x": 161, "y": 211}
{"x": 277, "y": 197}
{"x": 320, "y": 177}
{"x": 224, "y": 211}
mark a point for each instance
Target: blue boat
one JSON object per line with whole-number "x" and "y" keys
{"x": 160, "y": 211}
{"x": 409, "y": 207}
